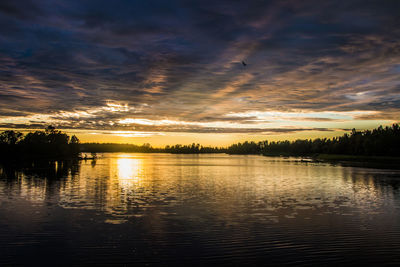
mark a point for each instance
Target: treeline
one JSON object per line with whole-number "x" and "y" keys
{"x": 147, "y": 148}
{"x": 111, "y": 147}
{"x": 193, "y": 149}
{"x": 383, "y": 141}
{"x": 49, "y": 143}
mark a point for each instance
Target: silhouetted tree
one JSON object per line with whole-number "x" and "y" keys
{"x": 378, "y": 142}
{"x": 50, "y": 143}
{"x": 10, "y": 137}
{"x": 74, "y": 145}
{"x": 383, "y": 141}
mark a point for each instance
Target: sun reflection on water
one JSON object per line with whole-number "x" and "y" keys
{"x": 129, "y": 185}
{"x": 129, "y": 170}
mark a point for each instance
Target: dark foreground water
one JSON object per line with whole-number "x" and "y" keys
{"x": 161, "y": 209}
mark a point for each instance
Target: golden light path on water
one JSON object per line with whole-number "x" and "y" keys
{"x": 226, "y": 204}
{"x": 125, "y": 185}
{"x": 129, "y": 170}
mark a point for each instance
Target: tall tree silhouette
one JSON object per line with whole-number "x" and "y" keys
{"x": 50, "y": 143}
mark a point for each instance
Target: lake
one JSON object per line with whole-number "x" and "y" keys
{"x": 210, "y": 209}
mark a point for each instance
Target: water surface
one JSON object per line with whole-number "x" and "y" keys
{"x": 162, "y": 209}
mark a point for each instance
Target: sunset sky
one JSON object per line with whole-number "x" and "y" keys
{"x": 167, "y": 72}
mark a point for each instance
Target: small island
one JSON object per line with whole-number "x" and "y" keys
{"x": 50, "y": 144}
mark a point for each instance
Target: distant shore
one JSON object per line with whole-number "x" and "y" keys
{"x": 380, "y": 145}
{"x": 336, "y": 157}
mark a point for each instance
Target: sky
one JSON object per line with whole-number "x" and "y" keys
{"x": 168, "y": 72}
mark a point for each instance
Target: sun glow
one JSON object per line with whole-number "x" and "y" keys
{"x": 128, "y": 121}
{"x": 129, "y": 170}
{"x": 134, "y": 133}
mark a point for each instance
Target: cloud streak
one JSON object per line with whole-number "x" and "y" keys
{"x": 93, "y": 64}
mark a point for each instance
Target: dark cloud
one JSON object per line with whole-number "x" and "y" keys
{"x": 169, "y": 129}
{"x": 23, "y": 9}
{"x": 181, "y": 60}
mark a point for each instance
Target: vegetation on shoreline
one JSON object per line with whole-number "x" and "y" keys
{"x": 112, "y": 147}
{"x": 147, "y": 148}
{"x": 47, "y": 144}
{"x": 382, "y": 141}
{"x": 51, "y": 143}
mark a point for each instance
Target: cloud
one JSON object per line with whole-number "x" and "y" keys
{"x": 182, "y": 62}
{"x": 147, "y": 129}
